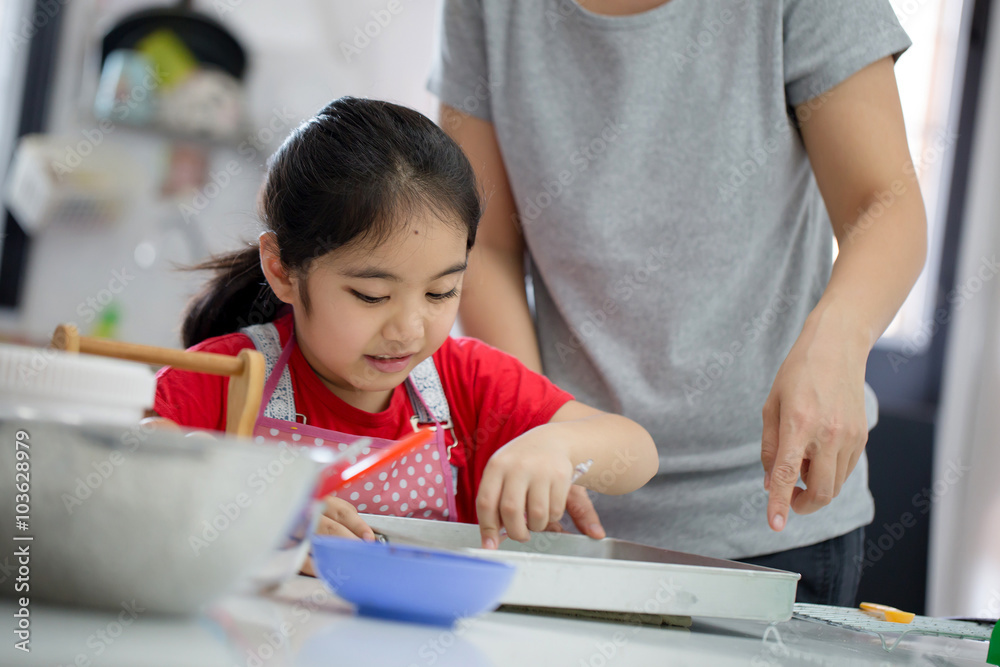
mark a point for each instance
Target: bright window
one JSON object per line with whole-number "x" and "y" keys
{"x": 930, "y": 76}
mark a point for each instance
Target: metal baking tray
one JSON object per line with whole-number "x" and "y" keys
{"x": 565, "y": 571}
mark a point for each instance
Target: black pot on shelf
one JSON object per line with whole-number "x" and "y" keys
{"x": 209, "y": 41}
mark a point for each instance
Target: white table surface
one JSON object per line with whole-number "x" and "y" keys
{"x": 302, "y": 624}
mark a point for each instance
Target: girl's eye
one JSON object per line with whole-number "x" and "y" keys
{"x": 369, "y": 299}
{"x": 441, "y": 297}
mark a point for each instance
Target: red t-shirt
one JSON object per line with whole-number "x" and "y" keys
{"x": 493, "y": 399}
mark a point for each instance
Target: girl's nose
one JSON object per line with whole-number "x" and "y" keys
{"x": 405, "y": 327}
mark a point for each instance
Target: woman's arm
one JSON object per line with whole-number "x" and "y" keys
{"x": 531, "y": 474}
{"x": 494, "y": 306}
{"x": 814, "y": 417}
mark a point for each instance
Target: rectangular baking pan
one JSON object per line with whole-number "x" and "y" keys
{"x": 565, "y": 571}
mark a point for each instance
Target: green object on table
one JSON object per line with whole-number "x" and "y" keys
{"x": 993, "y": 655}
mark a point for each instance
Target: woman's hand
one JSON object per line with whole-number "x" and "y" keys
{"x": 529, "y": 475}
{"x": 814, "y": 418}
{"x": 341, "y": 519}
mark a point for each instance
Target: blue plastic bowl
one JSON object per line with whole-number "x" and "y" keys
{"x": 404, "y": 583}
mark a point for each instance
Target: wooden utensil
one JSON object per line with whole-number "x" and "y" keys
{"x": 245, "y": 371}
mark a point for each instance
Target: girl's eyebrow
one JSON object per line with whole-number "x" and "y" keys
{"x": 377, "y": 273}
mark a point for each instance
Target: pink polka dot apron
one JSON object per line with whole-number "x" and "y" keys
{"x": 420, "y": 484}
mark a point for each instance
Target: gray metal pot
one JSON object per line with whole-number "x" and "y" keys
{"x": 129, "y": 515}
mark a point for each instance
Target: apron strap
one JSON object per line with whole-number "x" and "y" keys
{"x": 267, "y": 340}
{"x": 427, "y": 394}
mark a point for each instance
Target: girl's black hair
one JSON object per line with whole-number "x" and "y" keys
{"x": 353, "y": 172}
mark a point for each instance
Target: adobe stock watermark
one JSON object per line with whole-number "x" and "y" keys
{"x": 45, "y": 11}
{"x": 711, "y": 32}
{"x": 480, "y": 96}
{"x": 104, "y": 637}
{"x": 667, "y": 592}
{"x": 88, "y": 310}
{"x": 755, "y": 159}
{"x": 276, "y": 642}
{"x": 363, "y": 36}
{"x": 622, "y": 291}
{"x": 104, "y": 469}
{"x": 230, "y": 512}
{"x": 922, "y": 502}
{"x": 957, "y": 298}
{"x": 711, "y": 372}
{"x": 886, "y": 198}
{"x": 532, "y": 207}
{"x": 249, "y": 149}
{"x": 74, "y": 154}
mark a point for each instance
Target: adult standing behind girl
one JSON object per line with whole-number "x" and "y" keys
{"x": 370, "y": 211}
{"x": 674, "y": 171}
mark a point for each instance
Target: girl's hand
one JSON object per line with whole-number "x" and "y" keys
{"x": 164, "y": 424}
{"x": 530, "y": 474}
{"x": 581, "y": 510}
{"x": 161, "y": 423}
{"x": 341, "y": 519}
{"x": 814, "y": 420}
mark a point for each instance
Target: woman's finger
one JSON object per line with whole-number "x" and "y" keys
{"x": 581, "y": 511}
{"x": 784, "y": 473}
{"x": 820, "y": 481}
{"x": 769, "y": 439}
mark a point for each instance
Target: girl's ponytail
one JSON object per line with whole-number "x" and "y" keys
{"x": 238, "y": 295}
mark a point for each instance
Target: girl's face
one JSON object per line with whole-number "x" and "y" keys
{"x": 375, "y": 313}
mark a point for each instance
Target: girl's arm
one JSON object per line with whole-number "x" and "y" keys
{"x": 531, "y": 474}
{"x": 814, "y": 417}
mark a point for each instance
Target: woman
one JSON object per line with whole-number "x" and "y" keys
{"x": 676, "y": 172}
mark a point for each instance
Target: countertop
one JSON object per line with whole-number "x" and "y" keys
{"x": 303, "y": 624}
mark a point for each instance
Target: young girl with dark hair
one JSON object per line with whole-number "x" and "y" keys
{"x": 370, "y": 212}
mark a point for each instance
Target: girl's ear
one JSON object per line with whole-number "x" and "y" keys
{"x": 281, "y": 282}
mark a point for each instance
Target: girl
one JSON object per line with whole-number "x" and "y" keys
{"x": 370, "y": 212}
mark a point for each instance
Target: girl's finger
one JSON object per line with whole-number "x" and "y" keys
{"x": 488, "y": 508}
{"x": 581, "y": 511}
{"x": 328, "y": 526}
{"x": 344, "y": 513}
{"x": 512, "y": 502}
{"x": 357, "y": 526}
{"x": 558, "y": 495}
{"x": 538, "y": 505}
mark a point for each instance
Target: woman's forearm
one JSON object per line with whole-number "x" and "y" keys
{"x": 879, "y": 261}
{"x": 494, "y": 306}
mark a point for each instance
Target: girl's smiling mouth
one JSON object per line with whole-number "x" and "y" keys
{"x": 388, "y": 364}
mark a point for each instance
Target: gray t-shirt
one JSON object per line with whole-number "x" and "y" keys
{"x": 677, "y": 236}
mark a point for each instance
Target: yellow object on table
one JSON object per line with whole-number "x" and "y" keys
{"x": 887, "y": 613}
